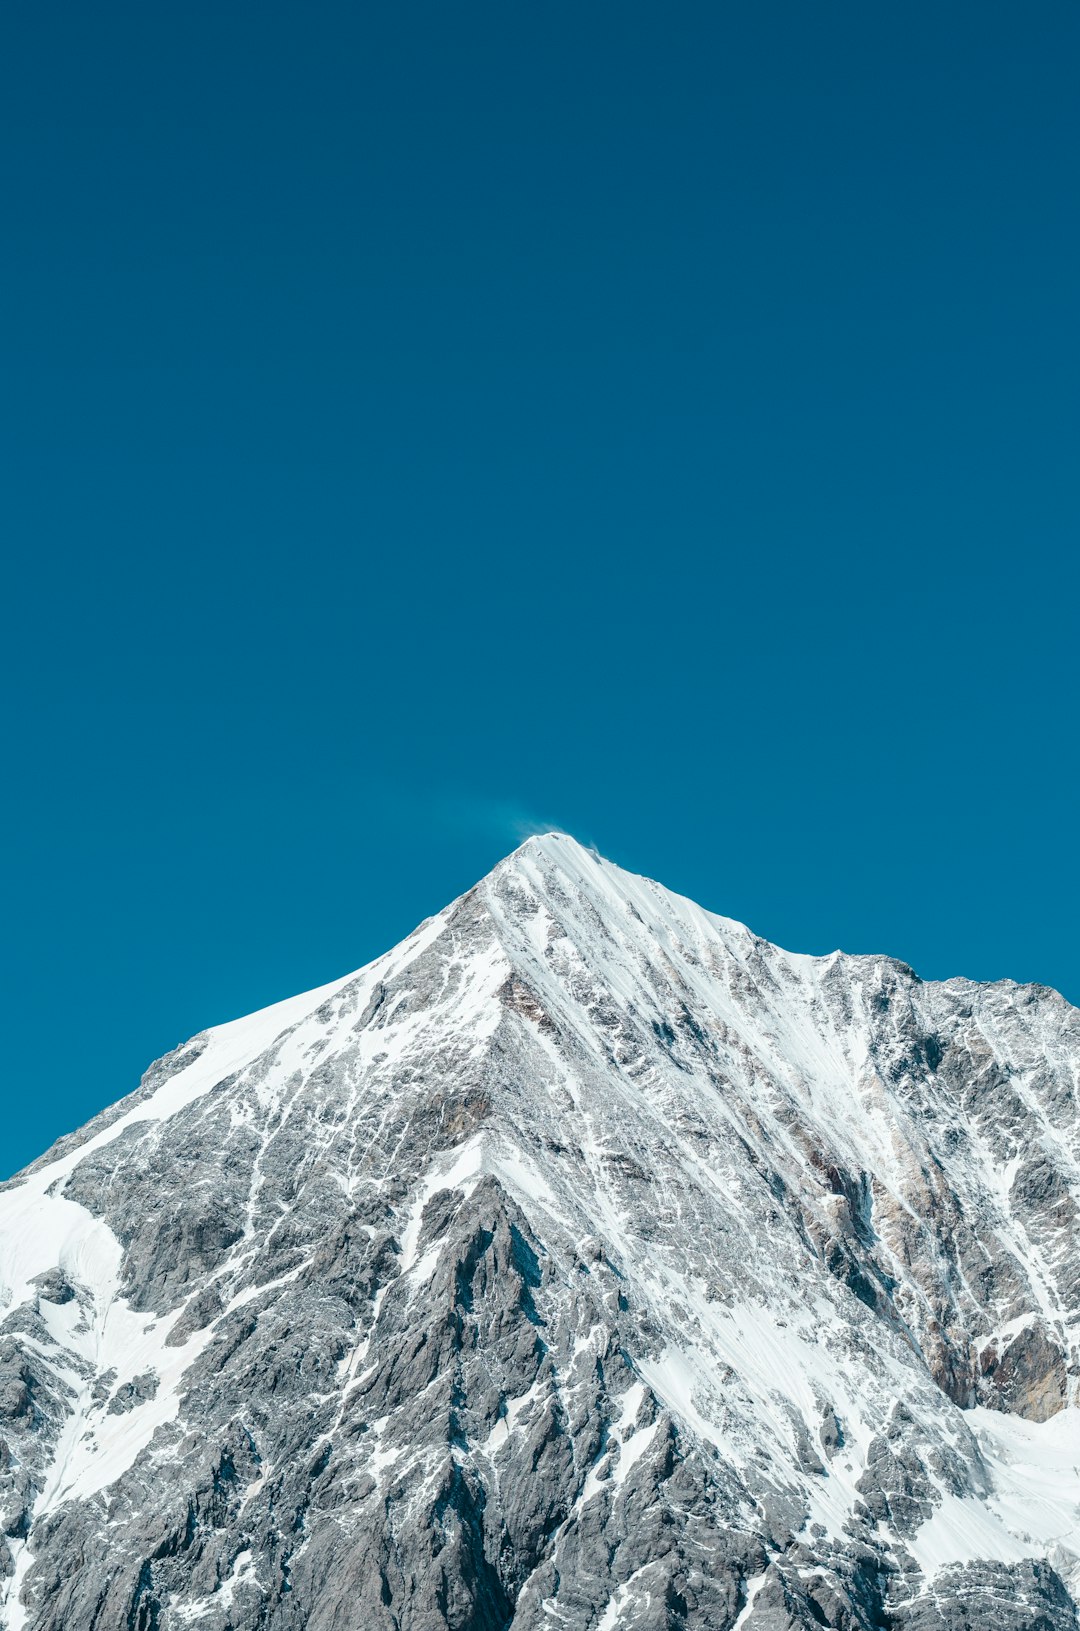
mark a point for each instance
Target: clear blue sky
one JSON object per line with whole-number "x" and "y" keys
{"x": 424, "y": 421}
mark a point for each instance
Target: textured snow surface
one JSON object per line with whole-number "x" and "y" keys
{"x": 1033, "y": 1504}
{"x": 590, "y": 1197}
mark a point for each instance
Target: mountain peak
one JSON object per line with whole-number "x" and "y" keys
{"x": 582, "y": 1254}
{"x": 555, "y": 845}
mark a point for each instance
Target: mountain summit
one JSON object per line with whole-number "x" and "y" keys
{"x": 585, "y": 1262}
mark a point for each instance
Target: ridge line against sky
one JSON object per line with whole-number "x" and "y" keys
{"x": 419, "y": 425}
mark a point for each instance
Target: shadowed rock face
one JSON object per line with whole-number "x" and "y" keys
{"x": 586, "y": 1262}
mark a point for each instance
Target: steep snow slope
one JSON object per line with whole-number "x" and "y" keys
{"x": 586, "y": 1261}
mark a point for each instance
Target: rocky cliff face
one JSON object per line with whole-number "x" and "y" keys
{"x": 586, "y": 1262}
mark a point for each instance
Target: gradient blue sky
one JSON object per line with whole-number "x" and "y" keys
{"x": 424, "y": 422}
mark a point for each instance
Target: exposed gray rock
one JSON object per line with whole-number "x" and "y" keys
{"x": 586, "y": 1262}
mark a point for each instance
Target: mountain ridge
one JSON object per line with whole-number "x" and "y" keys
{"x": 535, "y": 840}
{"x": 666, "y": 1226}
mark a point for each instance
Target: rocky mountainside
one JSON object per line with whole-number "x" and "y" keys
{"x": 587, "y": 1263}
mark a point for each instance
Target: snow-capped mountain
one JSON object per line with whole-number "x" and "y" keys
{"x": 586, "y": 1262}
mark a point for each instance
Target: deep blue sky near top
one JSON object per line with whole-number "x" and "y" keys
{"x": 422, "y": 422}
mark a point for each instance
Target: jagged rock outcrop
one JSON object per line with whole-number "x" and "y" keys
{"x": 585, "y": 1262}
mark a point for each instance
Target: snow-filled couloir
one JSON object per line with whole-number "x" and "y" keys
{"x": 585, "y": 1262}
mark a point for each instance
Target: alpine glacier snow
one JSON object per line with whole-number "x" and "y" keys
{"x": 584, "y": 1262}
